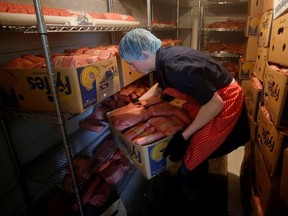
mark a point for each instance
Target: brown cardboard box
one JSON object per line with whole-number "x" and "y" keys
{"x": 127, "y": 76}
{"x": 246, "y": 85}
{"x": 251, "y": 50}
{"x": 278, "y": 51}
{"x": 266, "y": 188}
{"x": 254, "y": 98}
{"x": 256, "y": 208}
{"x": 261, "y": 61}
{"x": 284, "y": 178}
{"x": 271, "y": 142}
{"x": 249, "y": 149}
{"x": 252, "y": 26}
{"x": 246, "y": 69}
{"x": 264, "y": 31}
{"x": 280, "y": 7}
{"x": 275, "y": 96}
{"x": 78, "y": 88}
{"x": 255, "y": 8}
{"x": 267, "y": 5}
{"x": 148, "y": 158}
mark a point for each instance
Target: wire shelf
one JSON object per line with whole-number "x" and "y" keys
{"x": 50, "y": 168}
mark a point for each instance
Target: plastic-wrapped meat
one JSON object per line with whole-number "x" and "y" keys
{"x": 177, "y": 94}
{"x": 114, "y": 169}
{"x": 125, "y": 98}
{"x": 87, "y": 191}
{"x": 92, "y": 125}
{"x": 128, "y": 116}
{"x": 182, "y": 116}
{"x": 256, "y": 83}
{"x": 18, "y": 63}
{"x": 136, "y": 130}
{"x": 274, "y": 67}
{"x": 67, "y": 183}
{"x": 178, "y": 121}
{"x": 112, "y": 16}
{"x": 165, "y": 125}
{"x": 82, "y": 167}
{"x": 265, "y": 112}
{"x": 100, "y": 112}
{"x": 128, "y": 90}
{"x": 69, "y": 61}
{"x": 280, "y": 69}
{"x": 140, "y": 91}
{"x": 96, "y": 15}
{"x": 161, "y": 109}
{"x": 149, "y": 138}
{"x": 105, "y": 151}
{"x": 191, "y": 109}
{"x": 100, "y": 195}
{"x": 127, "y": 17}
{"x": 37, "y": 60}
{"x": 151, "y": 101}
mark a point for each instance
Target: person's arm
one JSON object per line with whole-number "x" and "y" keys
{"x": 153, "y": 91}
{"x": 205, "y": 114}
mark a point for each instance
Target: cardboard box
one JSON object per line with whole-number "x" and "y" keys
{"x": 246, "y": 69}
{"x": 264, "y": 31}
{"x": 255, "y": 208}
{"x": 275, "y": 96}
{"x": 246, "y": 85}
{"x": 127, "y": 76}
{"x": 249, "y": 149}
{"x": 284, "y": 179}
{"x": 254, "y": 98}
{"x": 266, "y": 188}
{"x": 148, "y": 158}
{"x": 271, "y": 142}
{"x": 278, "y": 51}
{"x": 255, "y": 8}
{"x": 261, "y": 61}
{"x": 253, "y": 130}
{"x": 117, "y": 208}
{"x": 252, "y": 26}
{"x": 78, "y": 88}
{"x": 268, "y": 5}
{"x": 280, "y": 7}
{"x": 251, "y": 50}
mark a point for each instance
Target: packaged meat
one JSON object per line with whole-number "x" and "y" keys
{"x": 100, "y": 195}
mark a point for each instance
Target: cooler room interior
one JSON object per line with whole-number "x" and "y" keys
{"x": 61, "y": 81}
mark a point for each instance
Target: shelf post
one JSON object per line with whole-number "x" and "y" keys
{"x": 61, "y": 120}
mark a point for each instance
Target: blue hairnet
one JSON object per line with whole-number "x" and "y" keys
{"x": 136, "y": 41}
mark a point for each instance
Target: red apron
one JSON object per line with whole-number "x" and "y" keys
{"x": 207, "y": 139}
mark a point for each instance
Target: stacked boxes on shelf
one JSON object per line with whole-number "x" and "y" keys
{"x": 267, "y": 107}
{"x": 78, "y": 87}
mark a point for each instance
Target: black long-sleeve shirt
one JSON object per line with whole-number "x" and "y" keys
{"x": 191, "y": 72}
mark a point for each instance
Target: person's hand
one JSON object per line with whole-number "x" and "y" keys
{"x": 176, "y": 147}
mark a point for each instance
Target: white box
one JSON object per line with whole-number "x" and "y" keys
{"x": 280, "y": 6}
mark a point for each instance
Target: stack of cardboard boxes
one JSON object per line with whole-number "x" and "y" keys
{"x": 266, "y": 155}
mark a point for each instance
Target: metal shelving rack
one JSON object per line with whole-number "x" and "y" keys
{"x": 42, "y": 169}
{"x": 202, "y": 29}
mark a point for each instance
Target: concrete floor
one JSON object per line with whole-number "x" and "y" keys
{"x": 158, "y": 196}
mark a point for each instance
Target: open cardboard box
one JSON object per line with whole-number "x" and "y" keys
{"x": 148, "y": 158}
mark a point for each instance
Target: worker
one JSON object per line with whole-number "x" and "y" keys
{"x": 220, "y": 124}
